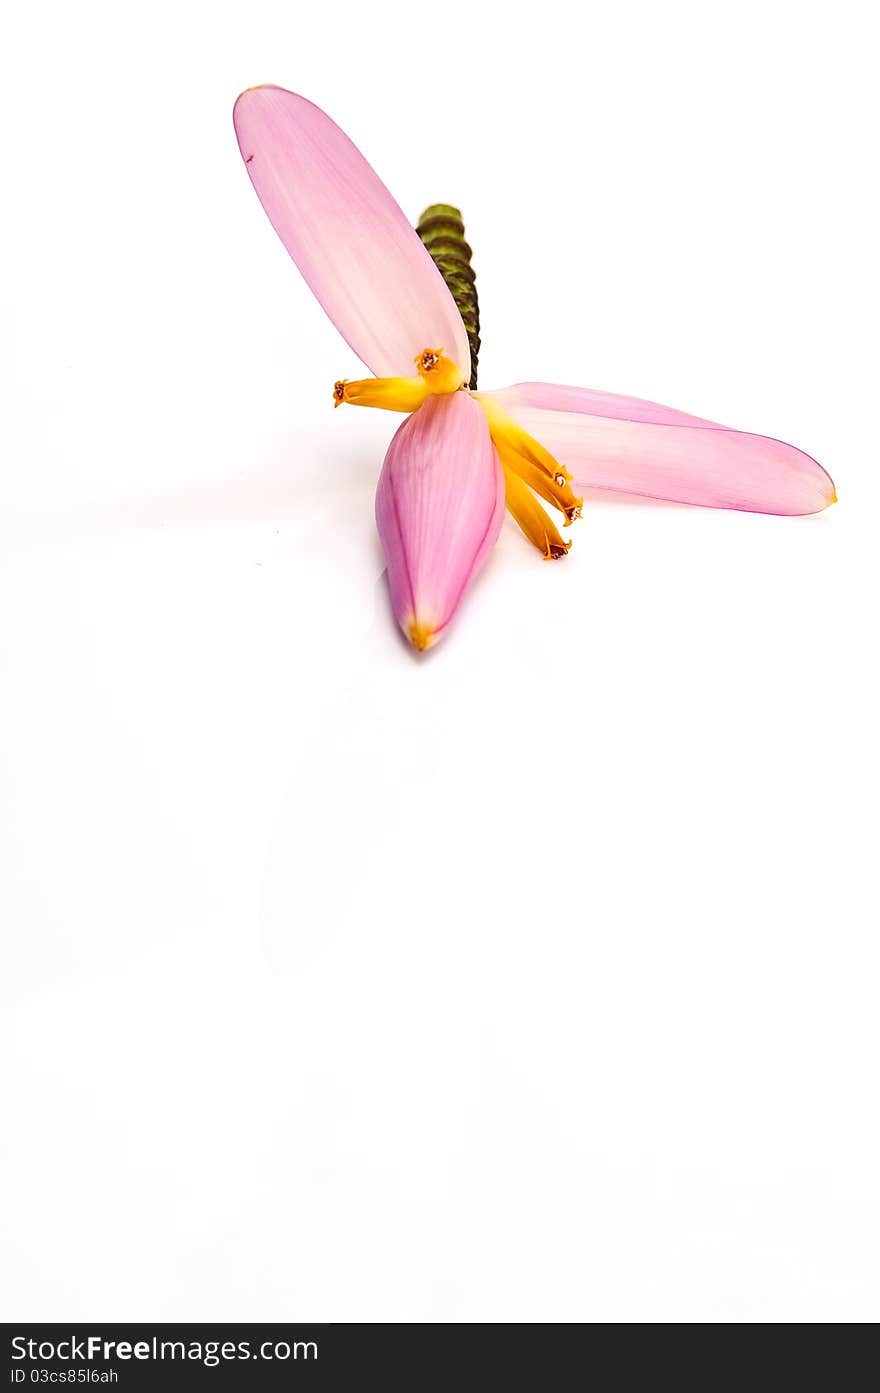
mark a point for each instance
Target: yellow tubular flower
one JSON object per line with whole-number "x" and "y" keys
{"x": 503, "y": 427}
{"x": 392, "y": 393}
{"x": 559, "y": 495}
{"x": 527, "y": 466}
{"x": 437, "y": 376}
{"x": 535, "y": 524}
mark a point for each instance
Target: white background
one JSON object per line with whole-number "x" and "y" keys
{"x": 535, "y": 979}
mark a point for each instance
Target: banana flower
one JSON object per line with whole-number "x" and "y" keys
{"x": 461, "y": 456}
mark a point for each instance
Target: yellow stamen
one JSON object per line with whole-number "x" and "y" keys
{"x": 535, "y": 524}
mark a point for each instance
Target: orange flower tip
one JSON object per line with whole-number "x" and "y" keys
{"x": 338, "y": 393}
{"x": 574, "y": 512}
{"x": 556, "y": 550}
{"x": 427, "y": 360}
{"x": 440, "y": 373}
{"x": 561, "y": 478}
{"x": 421, "y": 636}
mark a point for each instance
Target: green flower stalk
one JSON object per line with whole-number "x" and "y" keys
{"x": 442, "y": 231}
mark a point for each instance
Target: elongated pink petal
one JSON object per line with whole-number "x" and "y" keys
{"x": 631, "y": 446}
{"x": 363, "y": 261}
{"x": 439, "y": 508}
{"x": 549, "y": 396}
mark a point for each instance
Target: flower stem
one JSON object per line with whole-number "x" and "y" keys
{"x": 442, "y": 231}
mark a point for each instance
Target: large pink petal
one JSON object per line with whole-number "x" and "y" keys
{"x": 439, "y": 508}
{"x": 360, "y": 256}
{"x": 632, "y": 446}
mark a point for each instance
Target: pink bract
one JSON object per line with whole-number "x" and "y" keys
{"x": 439, "y": 508}
{"x": 631, "y": 446}
{"x": 360, "y": 256}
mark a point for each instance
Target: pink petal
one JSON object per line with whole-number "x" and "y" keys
{"x": 632, "y": 446}
{"x": 439, "y": 508}
{"x": 362, "y": 259}
{"x": 551, "y": 397}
